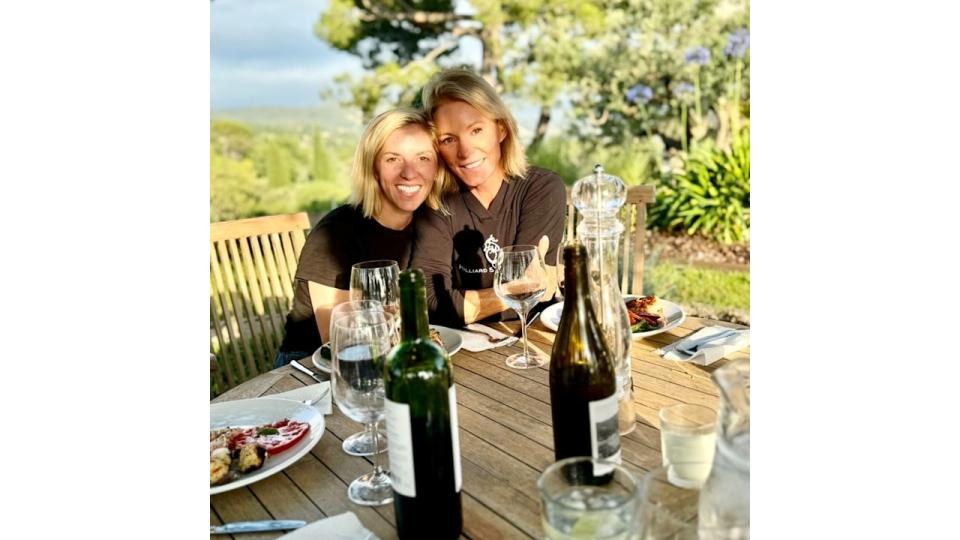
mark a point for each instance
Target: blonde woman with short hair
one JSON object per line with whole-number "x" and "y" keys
{"x": 396, "y": 169}
{"x": 499, "y": 200}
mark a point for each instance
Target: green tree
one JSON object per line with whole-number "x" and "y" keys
{"x": 402, "y": 43}
{"x": 592, "y": 53}
{"x": 235, "y": 188}
{"x": 231, "y": 139}
{"x": 322, "y": 168}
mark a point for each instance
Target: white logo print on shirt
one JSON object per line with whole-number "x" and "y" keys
{"x": 491, "y": 250}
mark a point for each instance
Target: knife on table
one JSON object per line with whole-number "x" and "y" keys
{"x": 300, "y": 367}
{"x": 257, "y": 526}
{"x": 534, "y": 315}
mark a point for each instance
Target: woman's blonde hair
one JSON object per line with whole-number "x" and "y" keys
{"x": 464, "y": 85}
{"x": 365, "y": 192}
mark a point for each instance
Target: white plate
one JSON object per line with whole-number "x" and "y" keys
{"x": 319, "y": 362}
{"x": 252, "y": 412}
{"x": 452, "y": 340}
{"x": 673, "y": 312}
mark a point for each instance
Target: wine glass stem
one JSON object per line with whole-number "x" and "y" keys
{"x": 376, "y": 449}
{"x": 523, "y": 328}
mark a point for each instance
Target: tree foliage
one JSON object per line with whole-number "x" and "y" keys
{"x": 256, "y": 173}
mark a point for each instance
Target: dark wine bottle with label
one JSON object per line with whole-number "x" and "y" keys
{"x": 421, "y": 417}
{"x": 583, "y": 381}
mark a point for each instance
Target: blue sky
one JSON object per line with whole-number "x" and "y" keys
{"x": 264, "y": 53}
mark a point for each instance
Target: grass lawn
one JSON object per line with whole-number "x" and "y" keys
{"x": 697, "y": 286}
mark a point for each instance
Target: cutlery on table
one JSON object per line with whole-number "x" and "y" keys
{"x": 257, "y": 526}
{"x": 691, "y": 347}
{"x": 492, "y": 335}
{"x": 300, "y": 367}
{"x": 314, "y": 401}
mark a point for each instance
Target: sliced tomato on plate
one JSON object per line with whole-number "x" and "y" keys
{"x": 274, "y": 438}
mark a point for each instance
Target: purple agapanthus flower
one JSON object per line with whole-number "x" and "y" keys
{"x": 641, "y": 91}
{"x": 737, "y": 43}
{"x": 682, "y": 88}
{"x": 697, "y": 55}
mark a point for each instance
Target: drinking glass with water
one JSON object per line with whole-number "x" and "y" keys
{"x": 581, "y": 497}
{"x": 361, "y": 340}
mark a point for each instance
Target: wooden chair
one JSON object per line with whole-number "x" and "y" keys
{"x": 633, "y": 215}
{"x": 252, "y": 267}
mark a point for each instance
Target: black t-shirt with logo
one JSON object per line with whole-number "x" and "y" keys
{"x": 341, "y": 239}
{"x": 457, "y": 252}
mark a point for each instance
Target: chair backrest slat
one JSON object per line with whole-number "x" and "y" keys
{"x": 252, "y": 316}
{"x": 227, "y": 352}
{"x": 275, "y": 303}
{"x": 223, "y": 376}
{"x": 237, "y": 319}
{"x": 253, "y": 264}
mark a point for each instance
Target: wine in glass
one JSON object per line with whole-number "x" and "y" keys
{"x": 362, "y": 443}
{"x": 520, "y": 280}
{"x": 360, "y": 344}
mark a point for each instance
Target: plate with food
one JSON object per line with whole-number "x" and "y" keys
{"x": 251, "y": 439}
{"x": 648, "y": 315}
{"x": 448, "y": 338}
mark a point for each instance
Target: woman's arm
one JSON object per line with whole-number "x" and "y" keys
{"x": 324, "y": 299}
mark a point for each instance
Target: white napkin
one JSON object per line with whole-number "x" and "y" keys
{"x": 477, "y": 340}
{"x": 709, "y": 352}
{"x": 344, "y": 526}
{"x": 312, "y": 391}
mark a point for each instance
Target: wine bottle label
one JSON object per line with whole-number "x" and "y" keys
{"x": 455, "y": 436}
{"x": 604, "y": 430}
{"x": 400, "y": 448}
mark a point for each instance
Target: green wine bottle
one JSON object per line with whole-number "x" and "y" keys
{"x": 421, "y": 417}
{"x": 583, "y": 387}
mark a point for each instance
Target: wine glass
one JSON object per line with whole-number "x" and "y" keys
{"x": 361, "y": 340}
{"x": 377, "y": 280}
{"x": 564, "y": 242}
{"x": 362, "y": 443}
{"x": 520, "y": 280}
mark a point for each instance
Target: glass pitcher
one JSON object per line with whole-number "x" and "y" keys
{"x": 725, "y": 498}
{"x": 598, "y": 197}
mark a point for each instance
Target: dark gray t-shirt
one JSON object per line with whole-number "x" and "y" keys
{"x": 457, "y": 252}
{"x": 341, "y": 239}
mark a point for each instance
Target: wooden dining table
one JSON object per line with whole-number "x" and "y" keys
{"x": 506, "y": 439}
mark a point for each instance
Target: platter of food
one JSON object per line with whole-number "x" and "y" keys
{"x": 648, "y": 315}
{"x": 251, "y": 439}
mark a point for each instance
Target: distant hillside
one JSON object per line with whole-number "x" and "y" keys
{"x": 330, "y": 118}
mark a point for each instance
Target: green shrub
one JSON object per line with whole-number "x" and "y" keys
{"x": 711, "y": 196}
{"x": 636, "y": 161}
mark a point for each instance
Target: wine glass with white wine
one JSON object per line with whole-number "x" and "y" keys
{"x": 520, "y": 280}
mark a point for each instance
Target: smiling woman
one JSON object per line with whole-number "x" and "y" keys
{"x": 500, "y": 201}
{"x": 396, "y": 170}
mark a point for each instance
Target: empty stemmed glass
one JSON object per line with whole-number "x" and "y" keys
{"x": 564, "y": 242}
{"x": 520, "y": 280}
{"x": 361, "y": 340}
{"x": 377, "y": 280}
{"x": 361, "y": 443}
